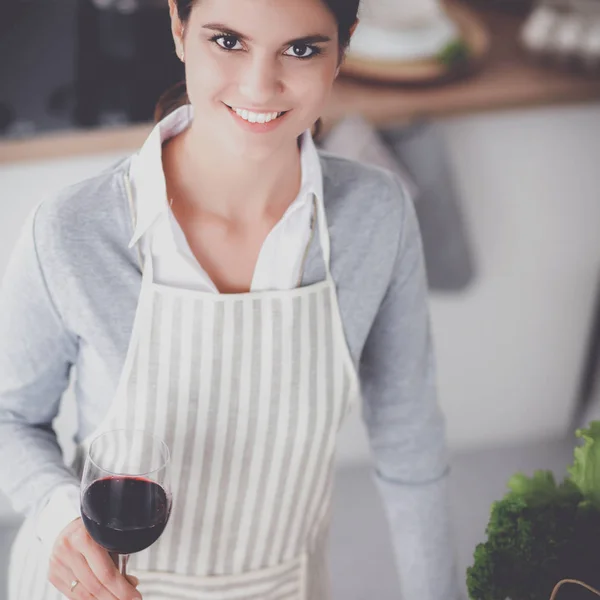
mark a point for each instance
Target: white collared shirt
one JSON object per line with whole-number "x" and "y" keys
{"x": 280, "y": 258}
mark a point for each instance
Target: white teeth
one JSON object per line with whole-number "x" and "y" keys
{"x": 256, "y": 117}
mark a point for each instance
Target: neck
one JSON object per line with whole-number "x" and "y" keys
{"x": 232, "y": 186}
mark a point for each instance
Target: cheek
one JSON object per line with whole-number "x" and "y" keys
{"x": 207, "y": 77}
{"x": 313, "y": 86}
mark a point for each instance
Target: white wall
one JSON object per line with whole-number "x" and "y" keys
{"x": 510, "y": 348}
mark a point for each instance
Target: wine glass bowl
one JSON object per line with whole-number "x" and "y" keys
{"x": 125, "y": 491}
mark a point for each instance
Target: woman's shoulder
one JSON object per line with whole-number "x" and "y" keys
{"x": 356, "y": 192}
{"x": 90, "y": 209}
{"x": 348, "y": 179}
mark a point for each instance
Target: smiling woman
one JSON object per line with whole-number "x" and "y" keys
{"x": 342, "y": 12}
{"x": 236, "y": 293}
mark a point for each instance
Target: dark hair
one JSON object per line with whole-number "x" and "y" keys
{"x": 344, "y": 11}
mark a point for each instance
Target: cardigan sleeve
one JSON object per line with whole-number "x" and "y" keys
{"x": 36, "y": 355}
{"x": 405, "y": 425}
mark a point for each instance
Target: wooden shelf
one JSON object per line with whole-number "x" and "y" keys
{"x": 507, "y": 79}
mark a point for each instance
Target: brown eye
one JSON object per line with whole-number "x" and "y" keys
{"x": 228, "y": 42}
{"x": 300, "y": 51}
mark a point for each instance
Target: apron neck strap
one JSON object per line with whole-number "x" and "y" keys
{"x": 323, "y": 231}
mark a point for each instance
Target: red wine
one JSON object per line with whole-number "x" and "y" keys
{"x": 125, "y": 514}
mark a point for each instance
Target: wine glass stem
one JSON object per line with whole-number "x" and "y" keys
{"x": 123, "y": 560}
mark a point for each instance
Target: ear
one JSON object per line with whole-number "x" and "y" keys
{"x": 352, "y": 29}
{"x": 177, "y": 28}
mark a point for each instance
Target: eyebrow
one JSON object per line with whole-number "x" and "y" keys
{"x": 309, "y": 39}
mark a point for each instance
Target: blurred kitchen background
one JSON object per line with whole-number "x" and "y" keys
{"x": 489, "y": 110}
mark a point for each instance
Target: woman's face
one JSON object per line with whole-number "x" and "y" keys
{"x": 259, "y": 72}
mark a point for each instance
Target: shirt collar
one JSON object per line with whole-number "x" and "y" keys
{"x": 147, "y": 173}
{"x": 148, "y": 177}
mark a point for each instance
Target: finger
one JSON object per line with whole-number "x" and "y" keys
{"x": 133, "y": 580}
{"x": 62, "y": 578}
{"x": 81, "y": 571}
{"x": 104, "y": 569}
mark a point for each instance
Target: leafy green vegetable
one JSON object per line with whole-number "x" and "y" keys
{"x": 542, "y": 532}
{"x": 527, "y": 539}
{"x": 585, "y": 471}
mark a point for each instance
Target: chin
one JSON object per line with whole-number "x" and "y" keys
{"x": 258, "y": 147}
{"x": 257, "y": 150}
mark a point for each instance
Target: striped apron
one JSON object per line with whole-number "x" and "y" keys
{"x": 249, "y": 392}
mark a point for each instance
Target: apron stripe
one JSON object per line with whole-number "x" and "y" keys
{"x": 167, "y": 387}
{"x": 346, "y": 399}
{"x": 193, "y": 421}
{"x": 164, "y": 414}
{"x": 252, "y": 582}
{"x": 212, "y": 377}
{"x": 281, "y": 390}
{"x": 293, "y": 448}
{"x": 156, "y": 373}
{"x": 241, "y": 390}
{"x": 231, "y": 380}
{"x": 323, "y": 506}
{"x": 321, "y": 509}
{"x": 253, "y": 585}
{"x": 143, "y": 364}
{"x": 195, "y": 500}
{"x": 317, "y": 583}
{"x": 251, "y": 396}
{"x": 328, "y": 435}
{"x": 147, "y": 397}
{"x": 163, "y": 591}
{"x": 227, "y": 410}
{"x": 254, "y": 499}
{"x": 219, "y": 407}
{"x": 316, "y": 419}
{"x": 131, "y": 393}
{"x": 275, "y": 439}
{"x": 163, "y": 420}
{"x": 298, "y": 463}
{"x": 186, "y": 412}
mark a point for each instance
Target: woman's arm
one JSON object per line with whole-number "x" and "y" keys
{"x": 36, "y": 355}
{"x": 406, "y": 428}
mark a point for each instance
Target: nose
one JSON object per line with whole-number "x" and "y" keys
{"x": 260, "y": 80}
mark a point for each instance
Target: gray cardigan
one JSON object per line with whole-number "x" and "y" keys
{"x": 68, "y": 300}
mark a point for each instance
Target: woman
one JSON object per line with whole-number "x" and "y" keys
{"x": 250, "y": 287}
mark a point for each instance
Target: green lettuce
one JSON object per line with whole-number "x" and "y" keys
{"x": 585, "y": 472}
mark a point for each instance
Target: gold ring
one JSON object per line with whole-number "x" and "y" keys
{"x": 74, "y": 584}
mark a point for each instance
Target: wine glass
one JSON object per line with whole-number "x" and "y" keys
{"x": 125, "y": 492}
